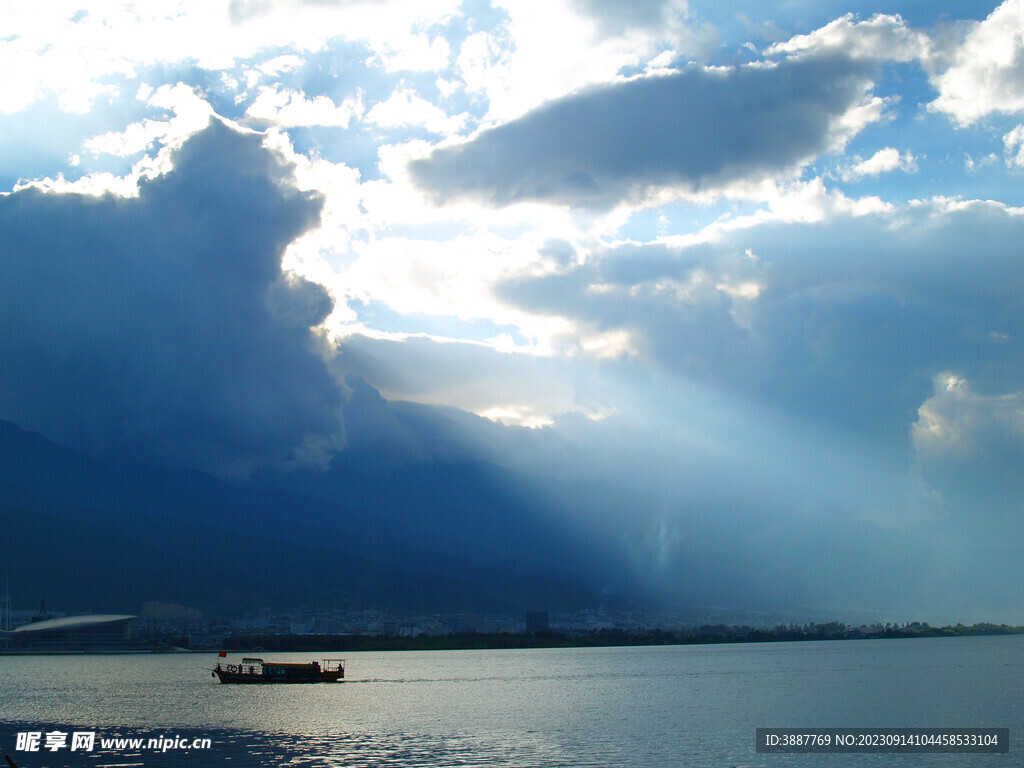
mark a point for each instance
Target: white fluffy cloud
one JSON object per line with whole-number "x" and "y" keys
{"x": 883, "y": 161}
{"x": 881, "y": 38}
{"x": 154, "y": 139}
{"x": 290, "y": 108}
{"x": 1013, "y": 142}
{"x": 190, "y": 113}
{"x": 546, "y": 50}
{"x": 59, "y": 48}
{"x": 404, "y": 107}
{"x": 987, "y": 73}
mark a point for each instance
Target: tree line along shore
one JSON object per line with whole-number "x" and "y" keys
{"x": 707, "y": 634}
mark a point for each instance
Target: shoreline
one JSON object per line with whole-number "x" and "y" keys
{"x": 602, "y": 638}
{"x": 710, "y": 635}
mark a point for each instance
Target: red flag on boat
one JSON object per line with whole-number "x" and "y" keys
{"x": 223, "y": 654}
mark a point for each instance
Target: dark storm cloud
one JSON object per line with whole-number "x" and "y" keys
{"x": 697, "y": 128}
{"x": 162, "y": 327}
{"x": 847, "y": 321}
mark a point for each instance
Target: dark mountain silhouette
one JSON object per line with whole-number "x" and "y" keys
{"x": 430, "y": 532}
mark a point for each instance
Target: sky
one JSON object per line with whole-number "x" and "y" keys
{"x": 744, "y": 280}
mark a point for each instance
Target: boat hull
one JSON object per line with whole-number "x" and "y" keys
{"x": 247, "y": 679}
{"x": 259, "y": 672}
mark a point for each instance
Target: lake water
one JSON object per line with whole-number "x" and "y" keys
{"x": 608, "y": 707}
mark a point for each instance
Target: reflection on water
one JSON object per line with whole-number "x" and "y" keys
{"x": 252, "y": 750}
{"x": 616, "y": 707}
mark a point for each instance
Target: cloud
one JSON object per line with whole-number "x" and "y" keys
{"x": 82, "y": 59}
{"x": 971, "y": 444}
{"x": 415, "y": 53}
{"x": 883, "y": 161}
{"x": 881, "y": 38}
{"x": 987, "y": 70}
{"x": 406, "y": 108}
{"x": 1014, "y": 142}
{"x": 190, "y": 114}
{"x": 162, "y": 327}
{"x": 534, "y": 53}
{"x": 290, "y": 108}
{"x": 769, "y": 360}
{"x": 644, "y": 13}
{"x": 698, "y": 129}
{"x": 842, "y": 321}
{"x": 246, "y": 10}
{"x": 480, "y": 56}
{"x": 661, "y": 20}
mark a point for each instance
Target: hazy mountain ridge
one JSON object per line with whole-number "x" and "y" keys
{"x": 421, "y": 537}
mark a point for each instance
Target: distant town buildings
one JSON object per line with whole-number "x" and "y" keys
{"x": 166, "y": 625}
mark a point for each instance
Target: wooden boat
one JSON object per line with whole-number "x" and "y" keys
{"x": 260, "y": 671}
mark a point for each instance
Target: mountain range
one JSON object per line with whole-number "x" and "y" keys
{"x": 382, "y": 526}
